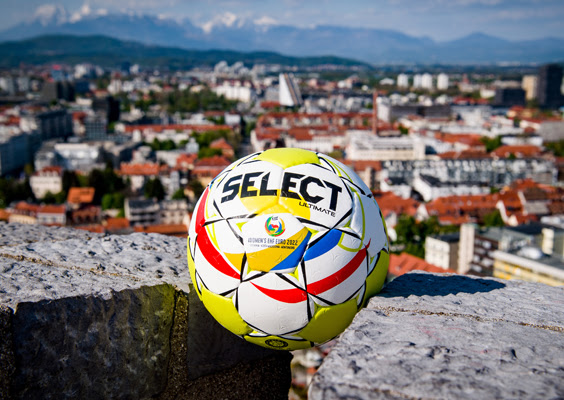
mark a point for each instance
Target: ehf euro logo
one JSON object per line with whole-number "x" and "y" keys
{"x": 274, "y": 226}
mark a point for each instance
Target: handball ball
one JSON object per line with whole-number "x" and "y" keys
{"x": 285, "y": 246}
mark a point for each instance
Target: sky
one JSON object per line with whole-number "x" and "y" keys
{"x": 440, "y": 20}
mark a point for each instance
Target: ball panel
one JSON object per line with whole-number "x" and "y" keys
{"x": 287, "y": 157}
{"x": 216, "y": 273}
{"x": 336, "y": 282}
{"x": 343, "y": 171}
{"x": 223, "y": 310}
{"x": 377, "y": 277}
{"x": 367, "y": 221}
{"x": 328, "y": 322}
{"x": 272, "y": 305}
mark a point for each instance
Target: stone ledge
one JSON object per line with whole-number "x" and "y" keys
{"x": 443, "y": 337}
{"x": 92, "y": 316}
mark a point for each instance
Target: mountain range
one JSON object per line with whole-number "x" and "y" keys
{"x": 111, "y": 52}
{"x": 228, "y": 32}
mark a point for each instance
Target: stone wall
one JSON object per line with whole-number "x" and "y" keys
{"x": 98, "y": 317}
{"x": 432, "y": 336}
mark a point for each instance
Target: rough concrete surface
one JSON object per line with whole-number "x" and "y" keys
{"x": 97, "y": 317}
{"x": 430, "y": 336}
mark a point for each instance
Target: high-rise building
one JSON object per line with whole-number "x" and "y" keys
{"x": 403, "y": 80}
{"x": 549, "y": 94}
{"x": 417, "y": 78}
{"x": 108, "y": 106}
{"x": 509, "y": 97}
{"x": 442, "y": 81}
{"x": 289, "y": 92}
{"x": 427, "y": 81}
{"x": 529, "y": 85}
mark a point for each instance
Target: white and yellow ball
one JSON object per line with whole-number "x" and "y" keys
{"x": 285, "y": 246}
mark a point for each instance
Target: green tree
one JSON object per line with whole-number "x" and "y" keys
{"x": 207, "y": 152}
{"x": 113, "y": 201}
{"x": 491, "y": 144}
{"x": 70, "y": 179}
{"x": 179, "y": 195}
{"x": 493, "y": 219}
{"x": 154, "y": 188}
{"x": 196, "y": 187}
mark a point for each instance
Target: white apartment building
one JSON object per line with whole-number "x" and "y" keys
{"x": 442, "y": 250}
{"x": 427, "y": 81}
{"x": 417, "y": 81}
{"x": 363, "y": 145}
{"x": 49, "y": 179}
{"x": 431, "y": 188}
{"x": 442, "y": 81}
{"x": 236, "y": 91}
{"x": 403, "y": 80}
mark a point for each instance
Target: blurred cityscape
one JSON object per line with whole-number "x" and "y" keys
{"x": 466, "y": 163}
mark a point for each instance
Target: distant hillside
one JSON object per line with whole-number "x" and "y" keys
{"x": 107, "y": 51}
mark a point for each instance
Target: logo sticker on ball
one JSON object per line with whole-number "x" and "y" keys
{"x": 279, "y": 344}
{"x": 274, "y": 226}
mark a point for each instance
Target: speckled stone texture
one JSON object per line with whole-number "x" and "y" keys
{"x": 430, "y": 336}
{"x": 98, "y": 317}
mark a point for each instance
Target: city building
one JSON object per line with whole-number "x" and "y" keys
{"x": 431, "y": 188}
{"x": 403, "y": 80}
{"x": 529, "y": 264}
{"x": 442, "y": 81}
{"x": 549, "y": 83}
{"x": 529, "y": 85}
{"x": 289, "y": 91}
{"x": 236, "y": 91}
{"x": 443, "y": 250}
{"x": 53, "y": 215}
{"x": 427, "y": 81}
{"x": 142, "y": 211}
{"x": 497, "y": 172}
{"x": 363, "y": 145}
{"x": 79, "y": 156}
{"x": 47, "y": 180}
{"x": 173, "y": 212}
{"x": 509, "y": 97}
{"x": 54, "y": 124}
{"x": 15, "y": 148}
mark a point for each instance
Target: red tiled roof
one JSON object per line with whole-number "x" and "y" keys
{"x": 178, "y": 230}
{"x": 215, "y": 161}
{"x": 176, "y": 127}
{"x": 116, "y": 223}
{"x": 50, "y": 169}
{"x": 4, "y": 215}
{"x": 98, "y": 228}
{"x": 52, "y": 209}
{"x": 221, "y": 143}
{"x": 80, "y": 195}
{"x": 519, "y": 151}
{"x": 147, "y": 169}
{"x": 390, "y": 202}
{"x": 362, "y": 165}
{"x": 404, "y": 263}
{"x": 186, "y": 161}
{"x": 23, "y": 208}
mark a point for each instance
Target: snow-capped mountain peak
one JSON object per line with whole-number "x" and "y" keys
{"x": 50, "y": 14}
